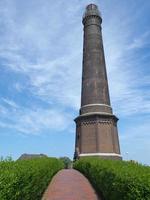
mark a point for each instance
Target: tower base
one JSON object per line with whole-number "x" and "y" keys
{"x": 96, "y": 135}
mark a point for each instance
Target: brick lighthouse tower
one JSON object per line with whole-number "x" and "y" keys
{"x": 96, "y": 126}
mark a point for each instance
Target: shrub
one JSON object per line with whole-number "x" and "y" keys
{"x": 26, "y": 179}
{"x": 116, "y": 180}
{"x": 67, "y": 162}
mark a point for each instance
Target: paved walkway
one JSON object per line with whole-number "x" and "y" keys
{"x": 69, "y": 184}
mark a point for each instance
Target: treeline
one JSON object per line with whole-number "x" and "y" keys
{"x": 116, "y": 180}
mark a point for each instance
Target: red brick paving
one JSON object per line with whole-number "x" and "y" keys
{"x": 69, "y": 184}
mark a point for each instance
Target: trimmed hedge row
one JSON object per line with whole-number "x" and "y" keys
{"x": 27, "y": 179}
{"x": 116, "y": 180}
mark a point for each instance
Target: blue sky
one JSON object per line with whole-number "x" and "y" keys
{"x": 40, "y": 74}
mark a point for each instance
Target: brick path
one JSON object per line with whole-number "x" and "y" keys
{"x": 69, "y": 184}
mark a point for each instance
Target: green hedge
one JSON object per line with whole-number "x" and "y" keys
{"x": 116, "y": 180}
{"x": 26, "y": 179}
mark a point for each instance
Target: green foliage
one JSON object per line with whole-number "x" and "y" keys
{"x": 67, "y": 162}
{"x": 117, "y": 180}
{"x": 27, "y": 179}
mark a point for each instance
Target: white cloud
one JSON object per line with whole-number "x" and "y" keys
{"x": 127, "y": 81}
{"x": 140, "y": 41}
{"x": 10, "y": 103}
{"x": 34, "y": 121}
{"x": 51, "y": 77}
{"x": 17, "y": 86}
